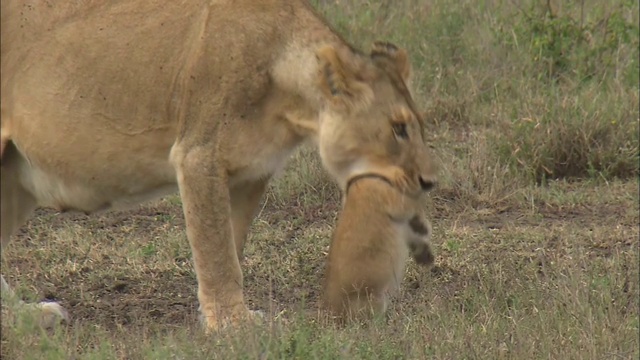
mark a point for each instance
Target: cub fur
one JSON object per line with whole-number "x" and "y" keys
{"x": 378, "y": 229}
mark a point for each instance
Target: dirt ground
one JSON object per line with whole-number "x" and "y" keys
{"x": 168, "y": 297}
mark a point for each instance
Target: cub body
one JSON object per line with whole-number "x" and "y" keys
{"x": 377, "y": 230}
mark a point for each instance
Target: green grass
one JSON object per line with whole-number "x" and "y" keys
{"x": 534, "y": 121}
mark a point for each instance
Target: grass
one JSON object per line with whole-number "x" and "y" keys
{"x": 535, "y": 218}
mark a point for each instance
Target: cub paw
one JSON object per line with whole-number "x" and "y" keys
{"x": 421, "y": 253}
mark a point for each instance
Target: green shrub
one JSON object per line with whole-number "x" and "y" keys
{"x": 586, "y": 46}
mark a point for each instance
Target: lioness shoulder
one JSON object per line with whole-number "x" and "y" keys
{"x": 378, "y": 228}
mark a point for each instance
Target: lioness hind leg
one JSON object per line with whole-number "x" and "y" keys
{"x": 48, "y": 314}
{"x": 17, "y": 204}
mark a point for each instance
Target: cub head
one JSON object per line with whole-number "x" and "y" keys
{"x": 369, "y": 122}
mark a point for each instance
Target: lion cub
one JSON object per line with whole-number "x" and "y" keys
{"x": 378, "y": 229}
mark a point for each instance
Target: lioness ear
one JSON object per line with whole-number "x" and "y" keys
{"x": 398, "y": 56}
{"x": 339, "y": 79}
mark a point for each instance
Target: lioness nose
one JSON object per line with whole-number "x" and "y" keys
{"x": 426, "y": 184}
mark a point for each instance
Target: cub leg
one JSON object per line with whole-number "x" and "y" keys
{"x": 366, "y": 305}
{"x": 16, "y": 205}
{"x": 419, "y": 246}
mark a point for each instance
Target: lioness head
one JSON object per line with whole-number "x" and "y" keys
{"x": 370, "y": 123}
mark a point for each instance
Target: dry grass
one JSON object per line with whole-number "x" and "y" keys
{"x": 535, "y": 220}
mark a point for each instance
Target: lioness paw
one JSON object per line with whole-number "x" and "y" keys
{"x": 256, "y": 314}
{"x": 211, "y": 325}
{"x": 52, "y": 314}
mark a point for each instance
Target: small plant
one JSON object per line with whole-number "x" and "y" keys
{"x": 148, "y": 250}
{"x": 576, "y": 140}
{"x": 452, "y": 245}
{"x": 566, "y": 45}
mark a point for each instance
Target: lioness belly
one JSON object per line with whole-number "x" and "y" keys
{"x": 94, "y": 175}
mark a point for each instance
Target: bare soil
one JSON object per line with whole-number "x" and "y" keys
{"x": 168, "y": 297}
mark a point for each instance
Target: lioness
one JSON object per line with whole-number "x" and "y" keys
{"x": 110, "y": 103}
{"x": 379, "y": 226}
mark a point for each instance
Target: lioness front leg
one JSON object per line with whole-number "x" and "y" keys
{"x": 206, "y": 204}
{"x": 245, "y": 198}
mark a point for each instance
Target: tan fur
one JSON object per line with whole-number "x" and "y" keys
{"x": 378, "y": 228}
{"x": 111, "y": 103}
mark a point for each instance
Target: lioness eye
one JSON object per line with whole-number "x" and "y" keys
{"x": 400, "y": 129}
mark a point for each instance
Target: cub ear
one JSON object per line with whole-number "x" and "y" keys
{"x": 340, "y": 80}
{"x": 398, "y": 57}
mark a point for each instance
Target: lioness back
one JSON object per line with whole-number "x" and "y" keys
{"x": 96, "y": 103}
{"x": 369, "y": 248}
